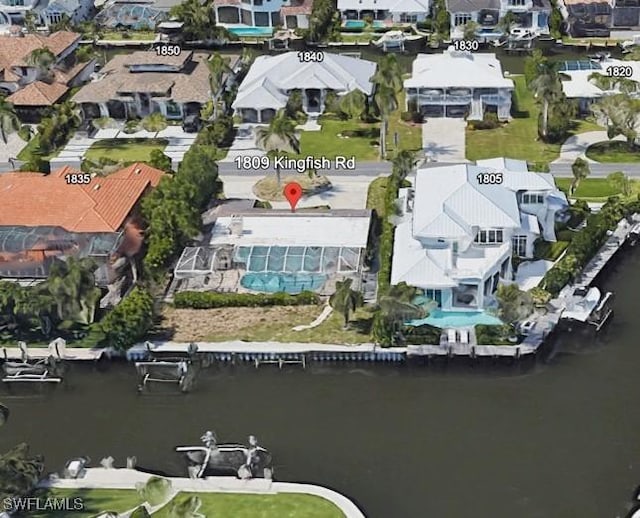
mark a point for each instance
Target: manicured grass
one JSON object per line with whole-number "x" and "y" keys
{"x": 265, "y": 324}
{"x": 124, "y": 150}
{"x": 409, "y": 135}
{"x": 519, "y": 137}
{"x": 281, "y": 505}
{"x": 591, "y": 188}
{"x": 94, "y": 501}
{"x": 131, "y": 35}
{"x": 376, "y": 194}
{"x": 360, "y": 140}
{"x": 614, "y": 151}
{"x": 361, "y": 37}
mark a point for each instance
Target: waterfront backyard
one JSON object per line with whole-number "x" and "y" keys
{"x": 234, "y": 505}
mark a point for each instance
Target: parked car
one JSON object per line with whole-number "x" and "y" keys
{"x": 191, "y": 123}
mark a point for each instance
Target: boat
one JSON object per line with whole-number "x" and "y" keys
{"x": 245, "y": 462}
{"x": 394, "y": 40}
{"x": 588, "y": 306}
{"x": 627, "y": 45}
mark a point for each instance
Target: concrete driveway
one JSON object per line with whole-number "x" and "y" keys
{"x": 349, "y": 192}
{"x": 443, "y": 139}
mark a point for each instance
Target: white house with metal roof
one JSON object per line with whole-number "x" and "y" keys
{"x": 462, "y": 224}
{"x": 271, "y": 79}
{"x": 394, "y": 11}
{"x": 578, "y": 82}
{"x": 459, "y": 84}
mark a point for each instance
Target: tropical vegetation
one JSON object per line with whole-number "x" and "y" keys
{"x": 19, "y": 472}
{"x": 278, "y": 137}
{"x": 130, "y": 320}
{"x": 212, "y": 299}
{"x": 345, "y": 300}
{"x": 9, "y": 122}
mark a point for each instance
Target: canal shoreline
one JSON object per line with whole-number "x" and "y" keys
{"x": 124, "y": 478}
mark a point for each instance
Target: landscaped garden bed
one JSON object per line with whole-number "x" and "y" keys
{"x": 268, "y": 188}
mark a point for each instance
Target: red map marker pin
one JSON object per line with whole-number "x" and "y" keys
{"x": 293, "y": 192}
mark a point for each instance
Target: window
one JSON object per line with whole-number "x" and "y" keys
{"x": 519, "y": 244}
{"x": 533, "y": 198}
{"x": 517, "y": 3}
{"x": 408, "y": 18}
{"x": 489, "y": 236}
{"x": 504, "y": 268}
{"x": 435, "y": 295}
{"x": 461, "y": 19}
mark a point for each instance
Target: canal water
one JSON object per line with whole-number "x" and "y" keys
{"x": 550, "y": 439}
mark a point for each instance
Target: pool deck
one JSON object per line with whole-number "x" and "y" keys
{"x": 122, "y": 478}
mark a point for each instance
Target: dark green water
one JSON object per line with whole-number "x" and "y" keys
{"x": 546, "y": 440}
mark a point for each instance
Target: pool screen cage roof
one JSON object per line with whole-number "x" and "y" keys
{"x": 570, "y": 66}
{"x": 291, "y": 259}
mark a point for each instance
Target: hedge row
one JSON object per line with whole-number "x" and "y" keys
{"x": 209, "y": 299}
{"x": 586, "y": 243}
{"x": 387, "y": 235}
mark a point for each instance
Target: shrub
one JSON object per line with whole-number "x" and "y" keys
{"x": 219, "y": 133}
{"x": 490, "y": 121}
{"x": 159, "y": 160}
{"x": 209, "y": 299}
{"x": 539, "y": 296}
{"x": 131, "y": 126}
{"x": 493, "y": 335}
{"x": 130, "y": 320}
{"x": 154, "y": 122}
{"x": 422, "y": 335}
{"x": 406, "y": 116}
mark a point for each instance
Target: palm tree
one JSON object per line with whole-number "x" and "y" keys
{"x": 396, "y": 308}
{"x": 278, "y": 137}
{"x": 71, "y": 283}
{"x": 387, "y": 83}
{"x": 513, "y": 303}
{"x": 154, "y": 122}
{"x": 9, "y": 122}
{"x": 345, "y": 300}
{"x": 353, "y": 104}
{"x": 547, "y": 88}
{"x": 470, "y": 30}
{"x": 43, "y": 59}
{"x": 218, "y": 67}
{"x": 580, "y": 170}
{"x": 197, "y": 18}
{"x": 622, "y": 115}
{"x": 505, "y": 23}
{"x": 403, "y": 163}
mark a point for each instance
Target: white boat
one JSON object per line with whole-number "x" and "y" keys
{"x": 627, "y": 45}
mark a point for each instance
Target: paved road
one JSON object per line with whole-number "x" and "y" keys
{"x": 362, "y": 169}
{"x": 598, "y": 170}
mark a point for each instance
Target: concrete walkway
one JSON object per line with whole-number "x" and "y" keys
{"x": 121, "y": 478}
{"x": 576, "y": 146}
{"x": 443, "y": 139}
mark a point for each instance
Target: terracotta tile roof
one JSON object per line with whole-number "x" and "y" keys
{"x": 67, "y": 74}
{"x": 34, "y": 199}
{"x": 38, "y": 94}
{"x": 189, "y": 85}
{"x": 14, "y": 50}
{"x": 303, "y": 7}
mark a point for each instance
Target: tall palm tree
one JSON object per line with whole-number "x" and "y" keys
{"x": 43, "y": 59}
{"x": 72, "y": 286}
{"x": 470, "y": 30}
{"x": 279, "y": 137}
{"x": 9, "y": 122}
{"x": 345, "y": 300}
{"x": 218, "y": 67}
{"x": 547, "y": 88}
{"x": 396, "y": 308}
{"x": 580, "y": 170}
{"x": 197, "y": 18}
{"x": 386, "y": 102}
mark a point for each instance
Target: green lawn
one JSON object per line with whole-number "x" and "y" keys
{"x": 234, "y": 505}
{"x": 614, "y": 151}
{"x": 409, "y": 135}
{"x": 592, "y": 188}
{"x": 94, "y": 501}
{"x": 124, "y": 150}
{"x": 131, "y": 35}
{"x": 549, "y": 251}
{"x": 358, "y": 139}
{"x": 282, "y": 505}
{"x": 361, "y": 37}
{"x": 519, "y": 137}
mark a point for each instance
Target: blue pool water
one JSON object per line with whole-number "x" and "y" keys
{"x": 442, "y": 319}
{"x": 293, "y": 283}
{"x": 251, "y": 31}
{"x": 354, "y": 24}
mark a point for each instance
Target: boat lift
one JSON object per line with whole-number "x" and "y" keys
{"x": 159, "y": 369}
{"x": 29, "y": 370}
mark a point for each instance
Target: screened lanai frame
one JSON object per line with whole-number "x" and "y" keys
{"x": 196, "y": 260}
{"x": 299, "y": 259}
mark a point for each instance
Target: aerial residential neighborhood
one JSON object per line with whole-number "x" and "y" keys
{"x": 245, "y": 244}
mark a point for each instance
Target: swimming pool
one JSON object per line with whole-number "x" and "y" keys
{"x": 292, "y": 283}
{"x": 250, "y": 31}
{"x": 360, "y": 24}
{"x": 443, "y": 319}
